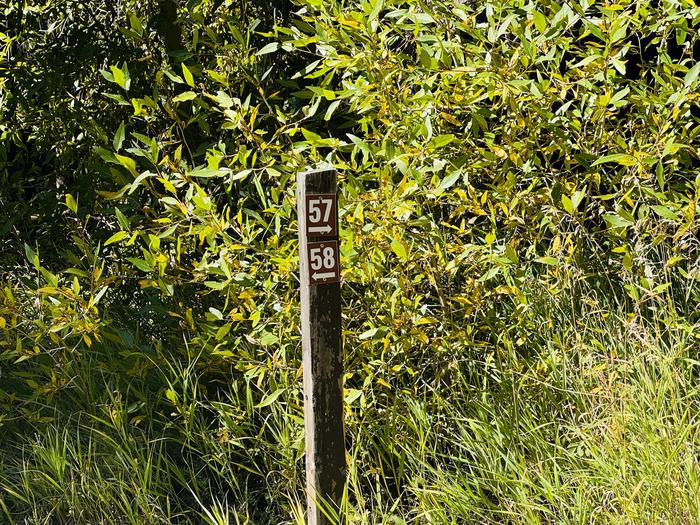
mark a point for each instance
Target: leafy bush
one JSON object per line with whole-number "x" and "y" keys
{"x": 518, "y": 191}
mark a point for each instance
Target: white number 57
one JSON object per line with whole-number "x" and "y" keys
{"x": 316, "y": 214}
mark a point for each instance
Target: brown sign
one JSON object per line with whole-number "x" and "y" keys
{"x": 322, "y": 215}
{"x": 324, "y": 262}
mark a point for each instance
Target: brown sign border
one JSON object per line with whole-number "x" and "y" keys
{"x": 333, "y": 222}
{"x": 336, "y": 270}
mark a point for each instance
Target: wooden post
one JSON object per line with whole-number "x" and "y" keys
{"x": 319, "y": 263}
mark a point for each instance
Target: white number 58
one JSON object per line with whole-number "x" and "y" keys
{"x": 322, "y": 258}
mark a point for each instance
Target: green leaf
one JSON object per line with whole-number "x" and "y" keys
{"x": 171, "y": 395}
{"x": 399, "y": 248}
{"x": 584, "y": 62}
{"x": 128, "y": 163}
{"x": 548, "y": 260}
{"x": 116, "y": 237}
{"x": 619, "y": 65}
{"x": 140, "y": 264}
{"x": 691, "y": 75}
{"x": 269, "y": 48}
{"x": 106, "y": 155}
{"x": 137, "y": 182}
{"x": 568, "y": 205}
{"x": 119, "y": 137}
{"x": 215, "y": 285}
{"x": 267, "y": 338}
{"x": 120, "y": 76}
{"x": 113, "y": 195}
{"x": 240, "y": 175}
{"x": 76, "y": 271}
{"x": 270, "y": 398}
{"x": 619, "y": 96}
{"x": 577, "y": 197}
{"x": 32, "y": 257}
{"x": 627, "y": 262}
{"x": 223, "y": 99}
{"x": 135, "y": 23}
{"x": 665, "y": 212}
{"x": 187, "y": 95}
{"x": 661, "y": 287}
{"x": 619, "y": 30}
{"x": 121, "y": 219}
{"x": 99, "y": 295}
{"x": 223, "y": 331}
{"x": 540, "y": 21}
{"x": 127, "y": 77}
{"x": 489, "y": 274}
{"x": 511, "y": 254}
{"x": 632, "y": 291}
{"x": 217, "y": 77}
{"x": 671, "y": 148}
{"x": 204, "y": 172}
{"x": 108, "y": 76}
{"x": 331, "y": 108}
{"x": 615, "y": 221}
{"x": 189, "y": 78}
{"x": 368, "y": 334}
{"x": 441, "y": 141}
{"x": 621, "y": 158}
{"x": 216, "y": 313}
{"x": 173, "y": 76}
{"x": 71, "y": 203}
{"x": 449, "y": 181}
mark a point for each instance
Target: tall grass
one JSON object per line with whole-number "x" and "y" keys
{"x": 599, "y": 426}
{"x": 590, "y": 418}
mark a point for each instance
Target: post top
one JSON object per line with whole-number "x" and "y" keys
{"x": 320, "y": 168}
{"x": 321, "y": 179}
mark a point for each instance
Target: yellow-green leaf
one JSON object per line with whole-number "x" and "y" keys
{"x": 116, "y": 237}
{"x": 128, "y": 163}
{"x": 119, "y": 137}
{"x": 269, "y": 48}
{"x": 399, "y": 249}
{"x": 71, "y": 203}
{"x": 540, "y": 21}
{"x": 548, "y": 260}
{"x": 187, "y": 95}
{"x": 269, "y": 399}
{"x": 621, "y": 158}
{"x": 171, "y": 395}
{"x": 665, "y": 212}
{"x": 140, "y": 264}
{"x": 189, "y": 78}
{"x": 568, "y": 205}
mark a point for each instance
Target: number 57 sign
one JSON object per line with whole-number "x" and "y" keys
{"x": 321, "y": 215}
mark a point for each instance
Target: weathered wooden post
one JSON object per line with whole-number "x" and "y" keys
{"x": 319, "y": 263}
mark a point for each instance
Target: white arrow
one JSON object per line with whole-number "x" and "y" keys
{"x": 320, "y": 229}
{"x": 326, "y": 275}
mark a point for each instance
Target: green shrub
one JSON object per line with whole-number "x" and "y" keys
{"x": 507, "y": 171}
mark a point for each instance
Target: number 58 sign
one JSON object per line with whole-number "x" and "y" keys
{"x": 324, "y": 262}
